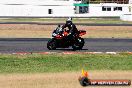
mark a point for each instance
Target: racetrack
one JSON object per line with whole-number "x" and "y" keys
{"x": 11, "y": 45}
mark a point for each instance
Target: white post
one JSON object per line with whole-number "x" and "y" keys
{"x": 130, "y": 6}
{"x": 130, "y": 1}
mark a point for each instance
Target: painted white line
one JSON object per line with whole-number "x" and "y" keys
{"x": 97, "y": 52}
{"x": 111, "y": 52}
{"x": 69, "y": 53}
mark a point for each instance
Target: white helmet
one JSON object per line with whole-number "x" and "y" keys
{"x": 69, "y": 19}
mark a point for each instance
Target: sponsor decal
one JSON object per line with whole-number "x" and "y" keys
{"x": 85, "y": 81}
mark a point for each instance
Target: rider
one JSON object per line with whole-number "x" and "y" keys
{"x": 72, "y": 28}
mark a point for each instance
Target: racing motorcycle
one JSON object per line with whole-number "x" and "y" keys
{"x": 59, "y": 39}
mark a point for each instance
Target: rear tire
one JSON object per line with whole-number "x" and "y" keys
{"x": 51, "y": 45}
{"x": 78, "y": 45}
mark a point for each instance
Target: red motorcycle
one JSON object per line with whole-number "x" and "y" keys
{"x": 60, "y": 39}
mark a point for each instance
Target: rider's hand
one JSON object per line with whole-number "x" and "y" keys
{"x": 69, "y": 34}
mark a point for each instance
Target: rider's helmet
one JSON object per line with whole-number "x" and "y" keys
{"x": 69, "y": 21}
{"x": 59, "y": 25}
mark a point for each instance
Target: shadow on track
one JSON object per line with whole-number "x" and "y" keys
{"x": 65, "y": 49}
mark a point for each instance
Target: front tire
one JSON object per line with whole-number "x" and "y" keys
{"x": 78, "y": 45}
{"x": 51, "y": 45}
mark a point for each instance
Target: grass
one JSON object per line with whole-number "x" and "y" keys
{"x": 59, "y": 80}
{"x": 62, "y": 20}
{"x": 43, "y": 68}
{"x": 63, "y": 63}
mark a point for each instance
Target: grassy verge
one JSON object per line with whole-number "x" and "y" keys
{"x": 62, "y": 20}
{"x": 61, "y": 63}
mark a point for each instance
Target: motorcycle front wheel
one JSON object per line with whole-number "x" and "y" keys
{"x": 51, "y": 45}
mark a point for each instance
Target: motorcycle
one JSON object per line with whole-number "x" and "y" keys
{"x": 60, "y": 39}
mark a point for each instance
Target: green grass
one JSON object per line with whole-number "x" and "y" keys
{"x": 62, "y": 63}
{"x": 62, "y": 20}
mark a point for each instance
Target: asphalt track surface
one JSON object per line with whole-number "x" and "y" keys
{"x": 14, "y": 45}
{"x": 86, "y": 24}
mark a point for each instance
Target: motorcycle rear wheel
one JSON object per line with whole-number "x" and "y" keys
{"x": 79, "y": 43}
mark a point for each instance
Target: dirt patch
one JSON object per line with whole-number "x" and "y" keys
{"x": 44, "y": 31}
{"x": 25, "y": 31}
{"x": 58, "y": 80}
